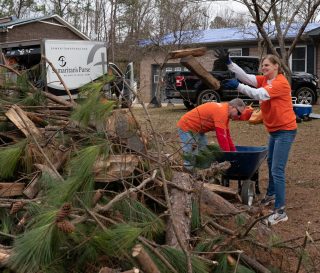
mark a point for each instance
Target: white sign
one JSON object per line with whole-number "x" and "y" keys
{"x": 78, "y": 62}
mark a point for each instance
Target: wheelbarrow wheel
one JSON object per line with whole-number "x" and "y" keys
{"x": 248, "y": 192}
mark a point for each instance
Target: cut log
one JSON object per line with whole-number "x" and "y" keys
{"x": 212, "y": 203}
{"x": 195, "y": 67}
{"x": 223, "y": 191}
{"x": 181, "y": 202}
{"x": 4, "y": 255}
{"x": 115, "y": 167}
{"x": 11, "y": 189}
{"x": 48, "y": 170}
{"x": 18, "y": 117}
{"x": 36, "y": 119}
{"x": 144, "y": 260}
{"x": 133, "y": 270}
{"x": 195, "y": 52}
{"x": 107, "y": 270}
{"x": 32, "y": 189}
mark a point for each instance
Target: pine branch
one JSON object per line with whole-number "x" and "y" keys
{"x": 122, "y": 195}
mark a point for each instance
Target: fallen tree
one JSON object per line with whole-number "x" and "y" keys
{"x": 84, "y": 190}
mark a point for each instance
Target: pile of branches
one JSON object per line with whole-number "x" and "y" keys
{"x": 85, "y": 190}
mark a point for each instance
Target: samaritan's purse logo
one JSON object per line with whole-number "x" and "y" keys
{"x": 62, "y": 61}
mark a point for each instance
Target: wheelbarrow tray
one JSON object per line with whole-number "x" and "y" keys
{"x": 244, "y": 162}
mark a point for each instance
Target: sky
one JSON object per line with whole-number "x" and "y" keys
{"x": 217, "y": 7}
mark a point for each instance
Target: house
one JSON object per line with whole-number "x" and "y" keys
{"x": 240, "y": 42}
{"x": 20, "y": 39}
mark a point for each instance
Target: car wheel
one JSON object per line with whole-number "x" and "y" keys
{"x": 207, "y": 96}
{"x": 305, "y": 95}
{"x": 188, "y": 104}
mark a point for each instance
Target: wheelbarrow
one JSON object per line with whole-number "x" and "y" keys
{"x": 245, "y": 163}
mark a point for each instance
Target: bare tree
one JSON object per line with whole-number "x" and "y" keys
{"x": 272, "y": 18}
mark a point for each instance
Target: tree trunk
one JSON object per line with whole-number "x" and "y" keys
{"x": 182, "y": 209}
{"x": 195, "y": 67}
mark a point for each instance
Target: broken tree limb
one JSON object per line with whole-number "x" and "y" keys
{"x": 211, "y": 203}
{"x": 144, "y": 260}
{"x": 181, "y": 203}
{"x": 122, "y": 195}
{"x": 195, "y": 52}
{"x": 259, "y": 268}
{"x": 57, "y": 99}
{"x": 11, "y": 189}
{"x": 39, "y": 147}
{"x": 32, "y": 189}
{"x": 195, "y": 67}
{"x": 223, "y": 191}
{"x": 19, "y": 118}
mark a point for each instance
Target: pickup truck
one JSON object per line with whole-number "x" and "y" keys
{"x": 193, "y": 92}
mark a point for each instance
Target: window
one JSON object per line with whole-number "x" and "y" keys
{"x": 235, "y": 52}
{"x": 297, "y": 61}
{"x": 168, "y": 69}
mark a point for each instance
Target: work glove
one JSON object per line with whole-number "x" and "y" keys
{"x": 223, "y": 55}
{"x": 230, "y": 84}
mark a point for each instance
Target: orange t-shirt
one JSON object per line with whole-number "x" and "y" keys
{"x": 206, "y": 117}
{"x": 277, "y": 112}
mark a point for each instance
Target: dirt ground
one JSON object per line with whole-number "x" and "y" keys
{"x": 302, "y": 175}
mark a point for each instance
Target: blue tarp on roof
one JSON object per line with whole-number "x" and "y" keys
{"x": 224, "y": 35}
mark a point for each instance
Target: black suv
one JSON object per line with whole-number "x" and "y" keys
{"x": 193, "y": 91}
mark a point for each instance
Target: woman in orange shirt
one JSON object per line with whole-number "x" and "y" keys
{"x": 273, "y": 91}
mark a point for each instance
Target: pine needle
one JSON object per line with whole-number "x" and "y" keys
{"x": 178, "y": 260}
{"x": 118, "y": 240}
{"x": 10, "y": 158}
{"x": 81, "y": 178}
{"x": 35, "y": 249}
{"x": 205, "y": 157}
{"x": 36, "y": 98}
{"x": 207, "y": 244}
{"x": 196, "y": 216}
{"x": 136, "y": 213}
{"x": 92, "y": 110}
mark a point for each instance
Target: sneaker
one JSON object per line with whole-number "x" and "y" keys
{"x": 267, "y": 200}
{"x": 278, "y": 216}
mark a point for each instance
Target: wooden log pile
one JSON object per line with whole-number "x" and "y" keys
{"x": 128, "y": 210}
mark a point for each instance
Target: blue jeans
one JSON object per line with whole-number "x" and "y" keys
{"x": 278, "y": 152}
{"x": 191, "y": 144}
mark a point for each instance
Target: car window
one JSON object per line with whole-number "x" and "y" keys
{"x": 249, "y": 65}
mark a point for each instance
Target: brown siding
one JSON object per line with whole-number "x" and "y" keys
{"x": 36, "y": 31}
